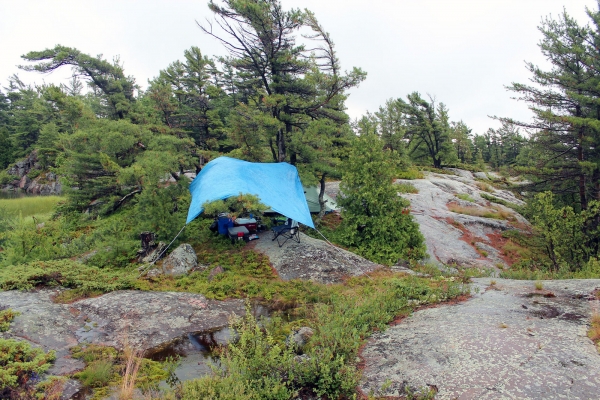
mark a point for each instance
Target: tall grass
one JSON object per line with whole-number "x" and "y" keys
{"x": 30, "y": 206}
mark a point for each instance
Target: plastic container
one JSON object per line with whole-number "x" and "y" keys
{"x": 224, "y": 223}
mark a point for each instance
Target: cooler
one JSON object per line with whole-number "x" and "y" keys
{"x": 249, "y": 223}
{"x": 238, "y": 233}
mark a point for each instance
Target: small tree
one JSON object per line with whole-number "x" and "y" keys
{"x": 376, "y": 221}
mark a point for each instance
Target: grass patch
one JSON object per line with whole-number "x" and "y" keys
{"x": 539, "y": 285}
{"x": 594, "y": 331}
{"x": 106, "y": 368}
{"x": 39, "y": 206}
{"x": 465, "y": 197}
{"x": 480, "y": 211}
{"x": 410, "y": 174}
{"x": 405, "y": 187}
{"x": 484, "y": 186}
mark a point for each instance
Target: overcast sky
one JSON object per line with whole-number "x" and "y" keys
{"x": 462, "y": 52}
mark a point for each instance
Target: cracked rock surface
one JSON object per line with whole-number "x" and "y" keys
{"x": 145, "y": 320}
{"x": 509, "y": 341}
{"x": 312, "y": 259}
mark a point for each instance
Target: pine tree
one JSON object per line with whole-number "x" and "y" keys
{"x": 376, "y": 221}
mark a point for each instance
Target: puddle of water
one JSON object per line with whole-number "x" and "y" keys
{"x": 195, "y": 351}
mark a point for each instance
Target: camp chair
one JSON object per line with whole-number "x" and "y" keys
{"x": 289, "y": 230}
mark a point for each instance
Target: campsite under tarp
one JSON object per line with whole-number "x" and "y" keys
{"x": 312, "y": 198}
{"x": 276, "y": 184}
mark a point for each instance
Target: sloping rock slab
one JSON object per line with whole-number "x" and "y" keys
{"x": 313, "y": 259}
{"x": 44, "y": 324}
{"x": 146, "y": 320}
{"x": 507, "y": 342}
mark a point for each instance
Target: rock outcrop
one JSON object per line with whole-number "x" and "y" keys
{"x": 509, "y": 341}
{"x": 146, "y": 320}
{"x": 313, "y": 260}
{"x": 459, "y": 224}
{"x": 44, "y": 183}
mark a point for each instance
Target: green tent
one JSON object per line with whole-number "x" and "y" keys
{"x": 312, "y": 198}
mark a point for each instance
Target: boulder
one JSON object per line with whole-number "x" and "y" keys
{"x": 214, "y": 272}
{"x": 481, "y": 175}
{"x": 302, "y": 336}
{"x": 181, "y": 261}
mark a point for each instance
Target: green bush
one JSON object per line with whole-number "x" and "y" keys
{"x": 19, "y": 362}
{"x": 6, "y": 317}
{"x": 376, "y": 222}
{"x": 82, "y": 279}
{"x": 261, "y": 365}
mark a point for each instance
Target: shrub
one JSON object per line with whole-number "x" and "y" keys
{"x": 376, "y": 222}
{"x": 6, "y": 317}
{"x": 19, "y": 363}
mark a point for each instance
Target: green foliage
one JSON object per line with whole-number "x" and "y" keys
{"x": 30, "y": 206}
{"x": 96, "y": 374}
{"x": 6, "y": 317}
{"x": 405, "y": 187}
{"x": 376, "y": 222}
{"x": 466, "y": 197}
{"x": 261, "y": 365}
{"x": 19, "y": 362}
{"x": 571, "y": 239}
{"x": 410, "y": 173}
{"x": 235, "y": 206}
{"x": 108, "y": 78}
{"x": 82, "y": 279}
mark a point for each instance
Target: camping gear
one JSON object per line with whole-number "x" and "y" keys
{"x": 238, "y": 233}
{"x": 276, "y": 184}
{"x": 249, "y": 223}
{"x": 224, "y": 223}
{"x": 312, "y": 199}
{"x": 286, "y": 232}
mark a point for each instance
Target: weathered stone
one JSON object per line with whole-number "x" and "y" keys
{"x": 506, "y": 343}
{"x": 301, "y": 337}
{"x": 24, "y": 182}
{"x": 145, "y": 320}
{"x": 312, "y": 259}
{"x": 181, "y": 261}
{"x": 214, "y": 272}
{"x": 481, "y": 175}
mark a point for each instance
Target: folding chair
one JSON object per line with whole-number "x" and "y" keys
{"x": 289, "y": 230}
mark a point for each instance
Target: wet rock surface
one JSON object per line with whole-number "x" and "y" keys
{"x": 145, "y": 320}
{"x": 509, "y": 341}
{"x": 312, "y": 259}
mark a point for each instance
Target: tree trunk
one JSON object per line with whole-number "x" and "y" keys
{"x": 280, "y": 145}
{"x": 321, "y": 200}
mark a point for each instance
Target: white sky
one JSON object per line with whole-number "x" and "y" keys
{"x": 462, "y": 52}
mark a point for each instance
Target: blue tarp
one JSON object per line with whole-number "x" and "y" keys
{"x": 276, "y": 184}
